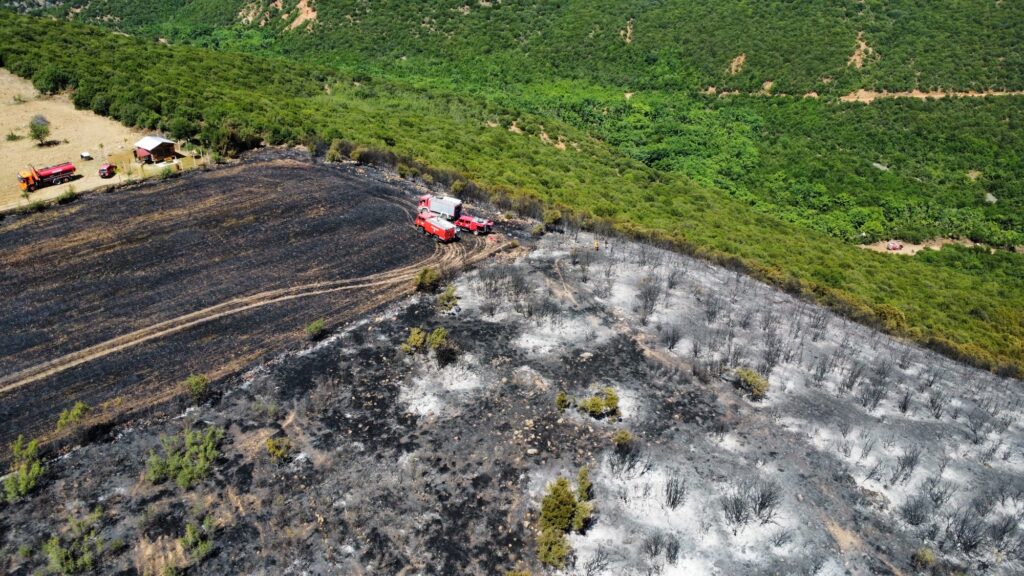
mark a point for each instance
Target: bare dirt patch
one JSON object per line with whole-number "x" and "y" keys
{"x": 909, "y": 248}
{"x": 861, "y": 53}
{"x": 736, "y": 66}
{"x": 627, "y": 33}
{"x": 306, "y": 13}
{"x": 869, "y": 96}
{"x": 75, "y": 131}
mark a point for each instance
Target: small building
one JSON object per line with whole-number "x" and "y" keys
{"x": 154, "y": 149}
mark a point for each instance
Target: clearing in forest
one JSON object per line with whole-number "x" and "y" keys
{"x": 71, "y": 132}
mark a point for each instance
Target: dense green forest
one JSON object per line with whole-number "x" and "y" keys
{"x": 635, "y": 44}
{"x": 776, "y": 186}
{"x": 896, "y": 168}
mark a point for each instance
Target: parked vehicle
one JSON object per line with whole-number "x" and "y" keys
{"x": 445, "y": 206}
{"x": 441, "y": 229}
{"x": 475, "y": 225}
{"x": 451, "y": 209}
{"x": 107, "y": 170}
{"x": 33, "y": 179}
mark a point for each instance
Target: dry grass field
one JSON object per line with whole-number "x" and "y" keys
{"x": 75, "y": 131}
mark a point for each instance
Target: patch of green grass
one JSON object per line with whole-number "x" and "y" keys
{"x": 25, "y": 470}
{"x": 316, "y": 329}
{"x": 186, "y": 458}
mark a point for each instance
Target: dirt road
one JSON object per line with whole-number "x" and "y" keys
{"x": 117, "y": 297}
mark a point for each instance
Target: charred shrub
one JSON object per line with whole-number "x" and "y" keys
{"x": 427, "y": 280}
{"x": 755, "y": 385}
{"x": 916, "y": 510}
{"x": 316, "y": 329}
{"x": 187, "y": 458}
{"x": 675, "y": 492}
{"x": 736, "y": 508}
{"x": 765, "y": 496}
{"x": 25, "y": 471}
{"x": 601, "y": 405}
{"x": 965, "y": 531}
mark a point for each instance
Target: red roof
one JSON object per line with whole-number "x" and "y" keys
{"x": 141, "y": 152}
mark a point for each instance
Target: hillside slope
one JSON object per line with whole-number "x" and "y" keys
{"x": 680, "y": 44}
{"x": 720, "y": 177}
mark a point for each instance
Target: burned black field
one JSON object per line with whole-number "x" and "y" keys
{"x": 423, "y": 434}
{"x": 102, "y": 271}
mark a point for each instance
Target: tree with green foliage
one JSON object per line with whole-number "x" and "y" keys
{"x": 39, "y": 129}
{"x": 25, "y": 469}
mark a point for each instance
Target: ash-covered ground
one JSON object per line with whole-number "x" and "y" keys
{"x": 865, "y": 450}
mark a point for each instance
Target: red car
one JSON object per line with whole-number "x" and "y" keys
{"x": 475, "y": 225}
{"x": 107, "y": 170}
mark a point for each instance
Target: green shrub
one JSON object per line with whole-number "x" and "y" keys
{"x": 537, "y": 231}
{"x": 198, "y": 540}
{"x": 25, "y": 471}
{"x": 415, "y": 342}
{"x": 71, "y": 416}
{"x": 753, "y": 383}
{"x": 428, "y": 280}
{"x": 560, "y": 511}
{"x": 603, "y": 404}
{"x": 562, "y": 401}
{"x": 12, "y": 136}
{"x": 197, "y": 386}
{"x": 558, "y": 506}
{"x": 552, "y": 217}
{"x": 552, "y": 548}
{"x": 25, "y": 551}
{"x": 446, "y": 300}
{"x": 316, "y": 329}
{"x": 278, "y": 448}
{"x": 187, "y": 458}
{"x": 80, "y": 553}
{"x": 166, "y": 173}
{"x": 338, "y": 150}
{"x": 581, "y": 516}
{"x": 584, "y": 486}
{"x": 622, "y": 438}
{"x": 438, "y": 338}
{"x": 923, "y": 558}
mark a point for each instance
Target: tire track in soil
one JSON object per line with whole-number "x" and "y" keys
{"x": 454, "y": 256}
